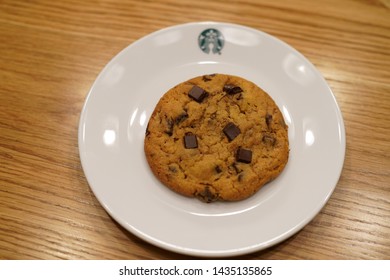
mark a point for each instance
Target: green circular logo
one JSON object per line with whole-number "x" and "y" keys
{"x": 211, "y": 40}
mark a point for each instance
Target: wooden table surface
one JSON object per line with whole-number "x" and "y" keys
{"x": 52, "y": 51}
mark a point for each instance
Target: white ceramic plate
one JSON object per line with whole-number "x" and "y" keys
{"x": 117, "y": 110}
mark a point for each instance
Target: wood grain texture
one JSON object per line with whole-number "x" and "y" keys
{"x": 52, "y": 51}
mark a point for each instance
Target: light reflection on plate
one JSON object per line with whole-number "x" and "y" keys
{"x": 117, "y": 109}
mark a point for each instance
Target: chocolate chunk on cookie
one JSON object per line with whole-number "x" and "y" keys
{"x": 231, "y": 131}
{"x": 190, "y": 141}
{"x": 231, "y": 89}
{"x": 216, "y": 138}
{"x": 183, "y": 116}
{"x": 206, "y": 195}
{"x": 269, "y": 140}
{"x": 268, "y": 119}
{"x": 198, "y": 94}
{"x": 169, "y": 126}
{"x": 244, "y": 155}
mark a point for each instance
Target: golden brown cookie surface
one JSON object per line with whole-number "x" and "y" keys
{"x": 216, "y": 137}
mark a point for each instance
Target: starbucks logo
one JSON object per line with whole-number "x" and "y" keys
{"x": 211, "y": 40}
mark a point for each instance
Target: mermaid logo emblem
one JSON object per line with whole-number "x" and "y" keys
{"x": 211, "y": 40}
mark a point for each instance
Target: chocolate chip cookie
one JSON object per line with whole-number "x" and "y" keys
{"x": 216, "y": 137}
